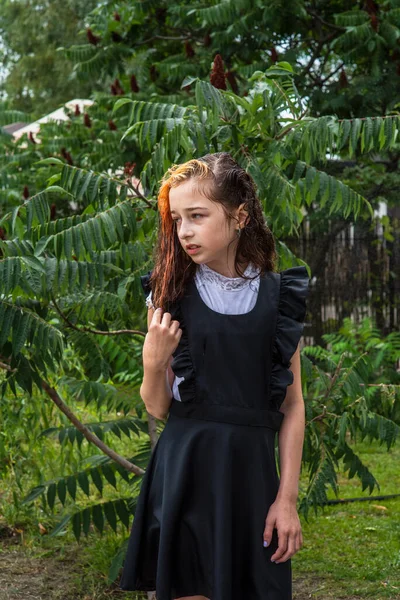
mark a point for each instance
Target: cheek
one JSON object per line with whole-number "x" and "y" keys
{"x": 218, "y": 226}
{"x": 213, "y": 230}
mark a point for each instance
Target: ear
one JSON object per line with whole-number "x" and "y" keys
{"x": 242, "y": 214}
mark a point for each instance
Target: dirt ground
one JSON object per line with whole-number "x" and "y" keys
{"x": 40, "y": 577}
{"x": 47, "y": 576}
{"x": 24, "y": 578}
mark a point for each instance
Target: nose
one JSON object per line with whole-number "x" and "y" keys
{"x": 184, "y": 231}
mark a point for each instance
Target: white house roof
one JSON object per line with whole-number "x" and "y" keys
{"x": 56, "y": 115}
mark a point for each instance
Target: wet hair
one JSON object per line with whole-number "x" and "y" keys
{"x": 222, "y": 180}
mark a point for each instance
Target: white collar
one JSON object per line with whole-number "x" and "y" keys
{"x": 204, "y": 274}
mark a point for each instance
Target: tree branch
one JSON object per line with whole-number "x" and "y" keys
{"x": 90, "y": 436}
{"x": 94, "y": 331}
{"x": 151, "y": 420}
{"x": 316, "y": 53}
{"x": 139, "y": 194}
{"x": 331, "y": 74}
{"x": 7, "y": 367}
{"x": 337, "y": 28}
{"x": 165, "y": 37}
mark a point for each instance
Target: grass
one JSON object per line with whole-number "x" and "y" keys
{"x": 350, "y": 551}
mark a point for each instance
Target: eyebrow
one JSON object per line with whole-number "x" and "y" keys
{"x": 191, "y": 208}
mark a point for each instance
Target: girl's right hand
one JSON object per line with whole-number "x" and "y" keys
{"x": 161, "y": 341}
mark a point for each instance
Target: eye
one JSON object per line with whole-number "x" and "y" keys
{"x": 193, "y": 215}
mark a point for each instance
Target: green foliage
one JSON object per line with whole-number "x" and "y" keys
{"x": 75, "y": 244}
{"x": 71, "y": 257}
{"x": 70, "y": 276}
{"x": 153, "y": 40}
{"x": 351, "y": 391}
{"x": 36, "y": 76}
{"x": 264, "y": 141}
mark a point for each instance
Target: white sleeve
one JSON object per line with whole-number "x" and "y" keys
{"x": 149, "y": 302}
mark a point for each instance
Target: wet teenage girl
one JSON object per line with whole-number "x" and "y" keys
{"x": 221, "y": 363}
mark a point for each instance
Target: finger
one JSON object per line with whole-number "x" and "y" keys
{"x": 166, "y": 319}
{"x": 282, "y": 546}
{"x": 268, "y": 533}
{"x": 299, "y": 542}
{"x": 174, "y": 326}
{"x": 177, "y": 334}
{"x": 157, "y": 315}
{"x": 291, "y": 548}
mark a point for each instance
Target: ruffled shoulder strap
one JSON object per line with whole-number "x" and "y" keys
{"x": 292, "y": 309}
{"x": 144, "y": 280}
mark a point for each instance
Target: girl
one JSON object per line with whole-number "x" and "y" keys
{"x": 213, "y": 520}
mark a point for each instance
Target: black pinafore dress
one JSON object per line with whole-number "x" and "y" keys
{"x": 200, "y": 516}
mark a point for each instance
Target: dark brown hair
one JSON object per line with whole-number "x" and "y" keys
{"x": 220, "y": 179}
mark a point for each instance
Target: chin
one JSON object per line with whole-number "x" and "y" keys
{"x": 196, "y": 259}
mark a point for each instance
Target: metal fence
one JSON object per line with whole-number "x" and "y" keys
{"x": 355, "y": 271}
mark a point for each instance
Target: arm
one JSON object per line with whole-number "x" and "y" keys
{"x": 155, "y": 390}
{"x": 282, "y": 513}
{"x": 291, "y": 435}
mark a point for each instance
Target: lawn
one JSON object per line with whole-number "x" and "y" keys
{"x": 350, "y": 551}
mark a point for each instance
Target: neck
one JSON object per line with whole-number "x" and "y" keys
{"x": 226, "y": 272}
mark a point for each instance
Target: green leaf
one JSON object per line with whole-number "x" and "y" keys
{"x": 53, "y": 179}
{"x": 59, "y": 190}
{"x": 122, "y": 512}
{"x": 189, "y": 79}
{"x": 109, "y": 475}
{"x": 60, "y": 526}
{"x": 49, "y": 161}
{"x": 51, "y": 495}
{"x": 21, "y": 328}
{"x": 354, "y": 136}
{"x": 111, "y": 517}
{"x": 33, "y": 494}
{"x": 84, "y": 482}
{"x": 34, "y": 263}
{"x": 71, "y": 434}
{"x": 116, "y": 564}
{"x": 121, "y": 102}
{"x": 76, "y": 525}
{"x": 62, "y": 490}
{"x": 86, "y": 521}
{"x": 71, "y": 486}
{"x": 97, "y": 480}
{"x": 98, "y": 517}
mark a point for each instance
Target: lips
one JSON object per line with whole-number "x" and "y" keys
{"x": 192, "y": 246}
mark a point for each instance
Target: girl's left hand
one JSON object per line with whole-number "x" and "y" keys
{"x": 283, "y": 516}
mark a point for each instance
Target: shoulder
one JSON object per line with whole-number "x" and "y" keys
{"x": 288, "y": 289}
{"x": 146, "y": 287}
{"x": 172, "y": 306}
{"x": 293, "y": 291}
{"x": 291, "y": 311}
{"x": 145, "y": 282}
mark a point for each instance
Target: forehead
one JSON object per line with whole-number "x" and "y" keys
{"x": 187, "y": 195}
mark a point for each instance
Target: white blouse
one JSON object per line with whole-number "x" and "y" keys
{"x": 226, "y": 295}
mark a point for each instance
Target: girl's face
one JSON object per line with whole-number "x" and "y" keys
{"x": 200, "y": 221}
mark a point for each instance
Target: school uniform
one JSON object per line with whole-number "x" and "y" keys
{"x": 212, "y": 476}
